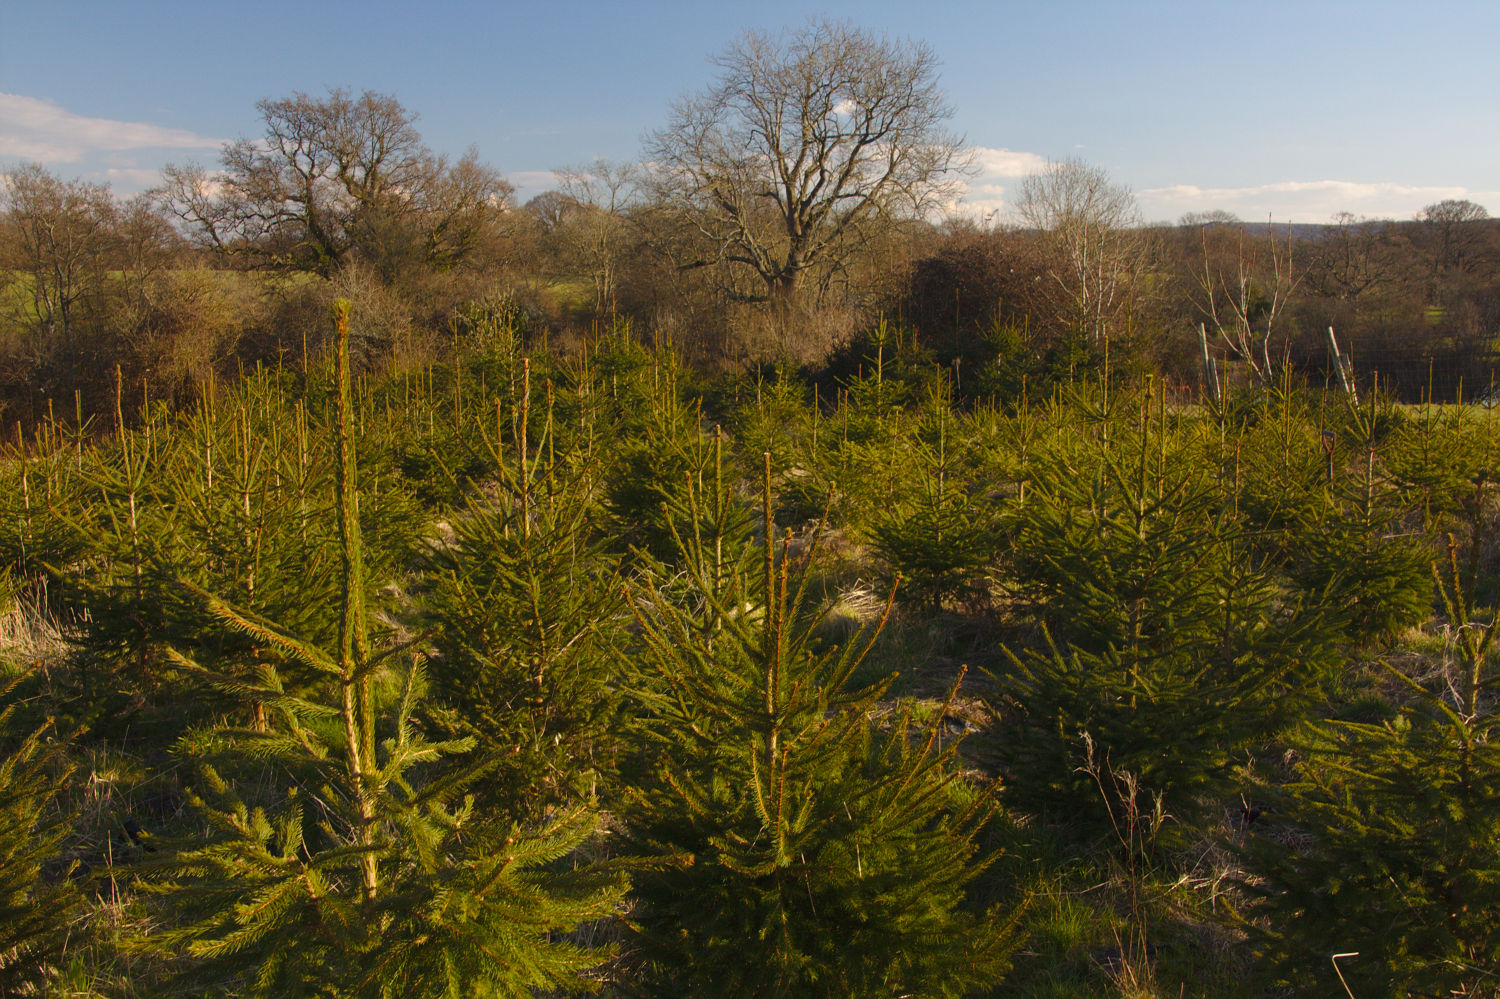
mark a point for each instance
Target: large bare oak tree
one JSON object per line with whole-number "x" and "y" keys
{"x": 337, "y": 178}
{"x": 806, "y": 140}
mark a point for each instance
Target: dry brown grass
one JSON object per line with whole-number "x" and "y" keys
{"x": 29, "y": 635}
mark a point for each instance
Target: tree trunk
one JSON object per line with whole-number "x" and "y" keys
{"x": 784, "y": 311}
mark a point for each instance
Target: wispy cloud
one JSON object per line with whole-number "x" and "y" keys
{"x": 35, "y": 129}
{"x": 1303, "y": 201}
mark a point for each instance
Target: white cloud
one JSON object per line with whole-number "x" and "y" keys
{"x": 35, "y": 129}
{"x": 1006, "y": 162}
{"x": 530, "y": 183}
{"x": 996, "y": 170}
{"x": 131, "y": 178}
{"x": 1302, "y": 201}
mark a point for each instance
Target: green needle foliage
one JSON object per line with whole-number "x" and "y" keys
{"x": 1399, "y": 822}
{"x": 37, "y": 899}
{"x": 35, "y": 481}
{"x": 350, "y": 861}
{"x": 1179, "y": 647}
{"x": 121, "y": 624}
{"x": 397, "y": 681}
{"x": 805, "y": 853}
{"x": 777, "y": 420}
{"x": 1434, "y": 455}
{"x": 1357, "y": 547}
{"x": 223, "y": 499}
{"x": 941, "y": 540}
{"x": 249, "y": 485}
{"x": 661, "y": 452}
{"x": 526, "y": 612}
{"x": 1274, "y": 462}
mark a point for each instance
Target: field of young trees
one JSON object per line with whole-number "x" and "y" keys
{"x": 543, "y": 672}
{"x": 724, "y": 577}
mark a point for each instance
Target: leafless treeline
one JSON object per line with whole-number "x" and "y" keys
{"x": 729, "y": 252}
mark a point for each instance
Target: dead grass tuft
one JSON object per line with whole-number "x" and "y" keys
{"x": 29, "y": 634}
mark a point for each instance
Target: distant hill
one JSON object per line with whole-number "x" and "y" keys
{"x": 1311, "y": 230}
{"x": 1301, "y": 230}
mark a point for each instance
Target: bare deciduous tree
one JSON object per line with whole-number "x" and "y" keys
{"x": 1095, "y": 245}
{"x": 95, "y": 287}
{"x": 1241, "y": 291}
{"x": 599, "y": 194}
{"x": 805, "y": 141}
{"x": 62, "y": 236}
{"x": 1354, "y": 260}
{"x": 335, "y": 178}
{"x": 1452, "y": 238}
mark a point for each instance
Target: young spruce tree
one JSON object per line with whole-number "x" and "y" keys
{"x": 1395, "y": 887}
{"x": 526, "y": 614}
{"x": 36, "y": 904}
{"x": 366, "y": 870}
{"x": 804, "y": 853}
{"x": 1173, "y": 647}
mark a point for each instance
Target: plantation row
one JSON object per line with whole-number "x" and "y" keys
{"x": 538, "y": 675}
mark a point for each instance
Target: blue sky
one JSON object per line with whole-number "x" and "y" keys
{"x": 1289, "y": 110}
